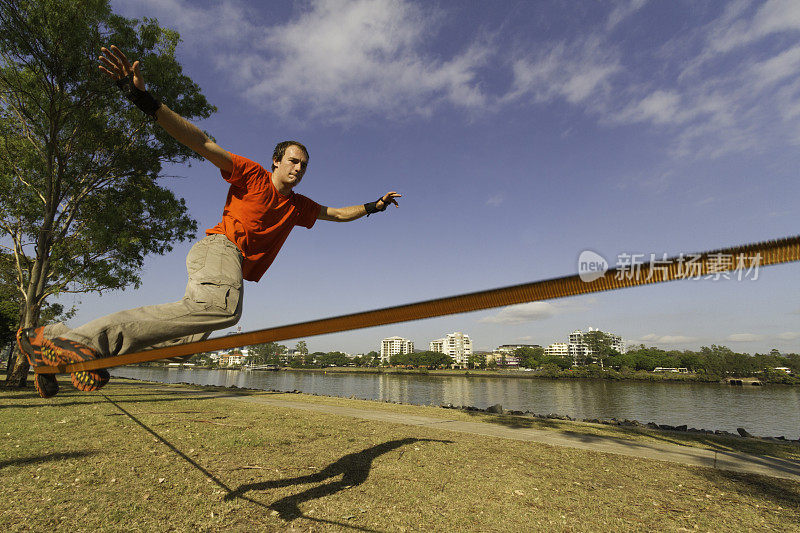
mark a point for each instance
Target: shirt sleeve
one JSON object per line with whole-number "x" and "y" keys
{"x": 245, "y": 172}
{"x": 308, "y": 211}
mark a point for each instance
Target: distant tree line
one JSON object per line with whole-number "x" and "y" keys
{"x": 709, "y": 362}
{"x": 272, "y": 353}
{"x": 715, "y": 360}
{"x": 430, "y": 360}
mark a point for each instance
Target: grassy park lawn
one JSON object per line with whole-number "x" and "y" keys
{"x": 133, "y": 457}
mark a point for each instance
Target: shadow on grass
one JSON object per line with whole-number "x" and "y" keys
{"x": 60, "y": 456}
{"x": 786, "y": 455}
{"x": 121, "y": 396}
{"x": 99, "y": 401}
{"x": 517, "y": 422}
{"x": 357, "y": 464}
{"x": 782, "y": 492}
{"x": 354, "y": 469}
{"x": 169, "y": 445}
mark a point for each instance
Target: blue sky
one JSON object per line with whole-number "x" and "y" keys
{"x": 520, "y": 134}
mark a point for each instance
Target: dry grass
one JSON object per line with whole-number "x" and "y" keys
{"x": 136, "y": 458}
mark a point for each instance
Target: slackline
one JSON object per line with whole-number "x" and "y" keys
{"x": 716, "y": 263}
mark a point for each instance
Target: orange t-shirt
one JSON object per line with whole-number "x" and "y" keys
{"x": 257, "y": 218}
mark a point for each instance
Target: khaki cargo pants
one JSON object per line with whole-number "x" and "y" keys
{"x": 213, "y": 301}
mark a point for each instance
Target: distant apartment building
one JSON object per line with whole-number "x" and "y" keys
{"x": 580, "y": 352}
{"x": 503, "y": 359}
{"x": 557, "y": 349}
{"x": 437, "y": 346}
{"x": 457, "y": 345}
{"x": 394, "y": 346}
{"x": 509, "y": 348}
{"x": 232, "y": 358}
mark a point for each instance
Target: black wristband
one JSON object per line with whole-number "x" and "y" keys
{"x": 141, "y": 99}
{"x": 372, "y": 207}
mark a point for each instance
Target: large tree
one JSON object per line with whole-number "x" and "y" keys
{"x": 599, "y": 344}
{"x": 81, "y": 203}
{"x": 269, "y": 353}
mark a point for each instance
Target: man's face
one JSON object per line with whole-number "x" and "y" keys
{"x": 289, "y": 170}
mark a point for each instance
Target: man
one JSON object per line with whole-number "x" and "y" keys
{"x": 260, "y": 211}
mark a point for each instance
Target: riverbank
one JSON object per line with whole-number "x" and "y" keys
{"x": 578, "y": 373}
{"x": 140, "y": 456}
{"x": 765, "y": 411}
{"x": 750, "y": 444}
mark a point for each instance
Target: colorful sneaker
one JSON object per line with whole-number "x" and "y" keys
{"x": 46, "y": 385}
{"x": 30, "y": 342}
{"x": 90, "y": 380}
{"x": 67, "y": 351}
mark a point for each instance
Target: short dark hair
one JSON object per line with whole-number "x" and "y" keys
{"x": 281, "y": 147}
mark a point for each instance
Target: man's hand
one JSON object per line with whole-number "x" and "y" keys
{"x": 114, "y": 63}
{"x": 386, "y": 199}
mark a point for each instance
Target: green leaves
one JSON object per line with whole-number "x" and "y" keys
{"x": 80, "y": 197}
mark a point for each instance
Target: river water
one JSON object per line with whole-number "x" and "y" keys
{"x": 765, "y": 411}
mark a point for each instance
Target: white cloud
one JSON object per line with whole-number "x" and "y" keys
{"x": 664, "y": 339}
{"x": 658, "y": 107}
{"x": 735, "y": 29}
{"x": 203, "y": 27}
{"x": 529, "y": 312}
{"x": 622, "y": 11}
{"x": 745, "y": 337}
{"x": 340, "y": 59}
{"x": 575, "y": 71}
{"x": 495, "y": 200}
{"x": 518, "y": 314}
{"x": 335, "y": 59}
{"x": 789, "y": 335}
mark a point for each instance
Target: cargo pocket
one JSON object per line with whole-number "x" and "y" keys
{"x": 215, "y": 260}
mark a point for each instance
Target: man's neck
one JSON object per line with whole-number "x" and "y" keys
{"x": 282, "y": 188}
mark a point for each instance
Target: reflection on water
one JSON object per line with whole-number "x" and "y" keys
{"x": 766, "y": 411}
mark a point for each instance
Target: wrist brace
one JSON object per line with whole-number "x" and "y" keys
{"x": 141, "y": 99}
{"x": 372, "y": 207}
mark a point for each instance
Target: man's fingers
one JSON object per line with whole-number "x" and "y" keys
{"x": 389, "y": 198}
{"x": 106, "y": 62}
{"x": 110, "y": 74}
{"x": 119, "y": 55}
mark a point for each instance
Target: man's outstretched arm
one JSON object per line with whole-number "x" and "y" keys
{"x": 346, "y": 214}
{"x": 114, "y": 63}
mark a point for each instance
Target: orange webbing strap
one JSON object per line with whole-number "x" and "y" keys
{"x": 728, "y": 263}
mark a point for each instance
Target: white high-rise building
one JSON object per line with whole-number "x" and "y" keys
{"x": 558, "y": 349}
{"x": 393, "y": 346}
{"x": 580, "y": 351}
{"x": 437, "y": 346}
{"x": 457, "y": 345}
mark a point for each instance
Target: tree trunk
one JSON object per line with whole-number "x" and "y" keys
{"x": 18, "y": 377}
{"x": 10, "y": 357}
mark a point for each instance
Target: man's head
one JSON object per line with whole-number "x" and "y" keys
{"x": 289, "y": 161}
{"x": 280, "y": 151}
